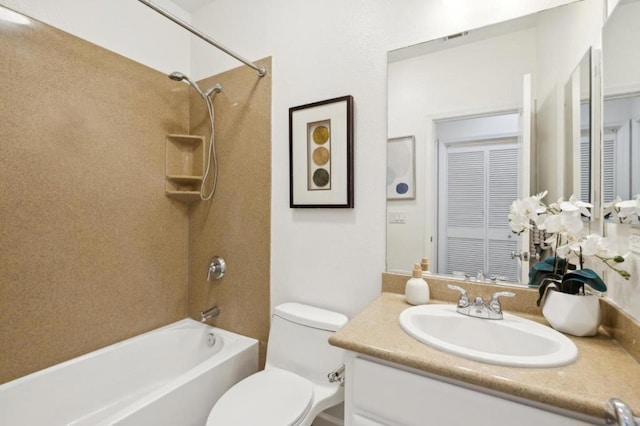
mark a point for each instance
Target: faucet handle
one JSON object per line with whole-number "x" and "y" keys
{"x": 463, "y": 301}
{"x": 498, "y": 294}
{"x": 495, "y": 302}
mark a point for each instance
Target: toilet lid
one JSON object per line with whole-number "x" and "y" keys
{"x": 272, "y": 397}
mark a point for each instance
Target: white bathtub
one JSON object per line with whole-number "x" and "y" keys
{"x": 168, "y": 376}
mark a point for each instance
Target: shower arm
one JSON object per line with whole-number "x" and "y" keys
{"x": 262, "y": 70}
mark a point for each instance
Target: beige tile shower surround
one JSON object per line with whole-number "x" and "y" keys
{"x": 236, "y": 224}
{"x": 91, "y": 250}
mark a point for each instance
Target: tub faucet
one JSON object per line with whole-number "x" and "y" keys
{"x": 209, "y": 313}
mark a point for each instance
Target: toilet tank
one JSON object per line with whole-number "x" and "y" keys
{"x": 298, "y": 341}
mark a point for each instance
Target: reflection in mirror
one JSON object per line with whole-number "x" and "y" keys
{"x": 478, "y": 175}
{"x": 621, "y": 105}
{"x": 474, "y": 119}
{"x": 578, "y": 126}
{"x": 462, "y": 98}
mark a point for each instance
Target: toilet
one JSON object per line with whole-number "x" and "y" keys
{"x": 293, "y": 388}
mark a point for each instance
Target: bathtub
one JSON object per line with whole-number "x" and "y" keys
{"x": 169, "y": 376}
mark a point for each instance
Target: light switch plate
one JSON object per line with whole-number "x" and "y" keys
{"x": 396, "y": 217}
{"x": 634, "y": 241}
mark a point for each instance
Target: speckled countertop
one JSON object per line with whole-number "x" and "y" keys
{"x": 603, "y": 369}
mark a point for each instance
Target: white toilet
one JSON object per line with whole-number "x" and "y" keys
{"x": 293, "y": 388}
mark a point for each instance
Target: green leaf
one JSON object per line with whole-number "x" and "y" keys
{"x": 586, "y": 277}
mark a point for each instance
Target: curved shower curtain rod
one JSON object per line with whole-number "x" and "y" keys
{"x": 262, "y": 70}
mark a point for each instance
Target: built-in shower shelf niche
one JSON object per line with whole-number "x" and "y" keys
{"x": 184, "y": 167}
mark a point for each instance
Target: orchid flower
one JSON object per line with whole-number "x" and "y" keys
{"x": 627, "y": 211}
{"x": 628, "y": 208}
{"x": 525, "y": 211}
{"x": 581, "y": 206}
{"x": 566, "y": 223}
{"x": 609, "y": 209}
{"x": 563, "y": 221}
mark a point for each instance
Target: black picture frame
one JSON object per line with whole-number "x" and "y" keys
{"x": 321, "y": 154}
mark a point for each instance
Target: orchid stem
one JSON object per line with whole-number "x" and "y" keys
{"x": 624, "y": 274}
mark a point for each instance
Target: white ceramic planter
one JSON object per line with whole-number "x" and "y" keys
{"x": 578, "y": 315}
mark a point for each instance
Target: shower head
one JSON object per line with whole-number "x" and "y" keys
{"x": 178, "y": 76}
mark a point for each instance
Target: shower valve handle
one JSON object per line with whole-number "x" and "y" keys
{"x": 217, "y": 268}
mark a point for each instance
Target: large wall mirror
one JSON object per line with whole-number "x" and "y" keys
{"x": 621, "y": 103}
{"x": 477, "y": 120}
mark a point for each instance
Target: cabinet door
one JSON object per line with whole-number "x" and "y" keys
{"x": 397, "y": 397}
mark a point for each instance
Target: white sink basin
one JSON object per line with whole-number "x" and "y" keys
{"x": 512, "y": 341}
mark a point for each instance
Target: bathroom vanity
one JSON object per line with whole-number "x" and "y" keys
{"x": 390, "y": 394}
{"x": 394, "y": 379}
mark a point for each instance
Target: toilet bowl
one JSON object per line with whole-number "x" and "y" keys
{"x": 293, "y": 388}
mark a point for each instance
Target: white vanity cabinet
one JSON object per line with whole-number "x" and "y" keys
{"x": 387, "y": 394}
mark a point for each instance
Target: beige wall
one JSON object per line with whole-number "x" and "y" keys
{"x": 235, "y": 224}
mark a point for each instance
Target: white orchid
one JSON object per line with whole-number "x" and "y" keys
{"x": 525, "y": 211}
{"x": 564, "y": 243}
{"x": 601, "y": 248}
{"x": 593, "y": 244}
{"x": 563, "y": 221}
{"x": 609, "y": 209}
{"x": 567, "y": 223}
{"x": 629, "y": 208}
{"x": 578, "y": 205}
{"x": 623, "y": 211}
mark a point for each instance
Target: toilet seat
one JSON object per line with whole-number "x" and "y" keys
{"x": 273, "y": 397}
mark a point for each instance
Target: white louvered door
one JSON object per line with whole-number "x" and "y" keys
{"x": 478, "y": 183}
{"x": 503, "y": 189}
{"x": 609, "y": 190}
{"x": 585, "y": 167}
{"x": 462, "y": 236}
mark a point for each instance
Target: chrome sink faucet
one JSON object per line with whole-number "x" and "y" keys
{"x": 478, "y": 308}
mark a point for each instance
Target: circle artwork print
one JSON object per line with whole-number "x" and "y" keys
{"x": 402, "y": 188}
{"x": 321, "y": 177}
{"x": 321, "y": 135}
{"x": 321, "y": 156}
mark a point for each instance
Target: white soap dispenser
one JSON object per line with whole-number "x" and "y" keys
{"x": 416, "y": 291}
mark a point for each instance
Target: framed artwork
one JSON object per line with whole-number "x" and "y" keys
{"x": 321, "y": 154}
{"x": 401, "y": 168}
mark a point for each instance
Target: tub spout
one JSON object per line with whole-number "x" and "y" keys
{"x": 209, "y": 313}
